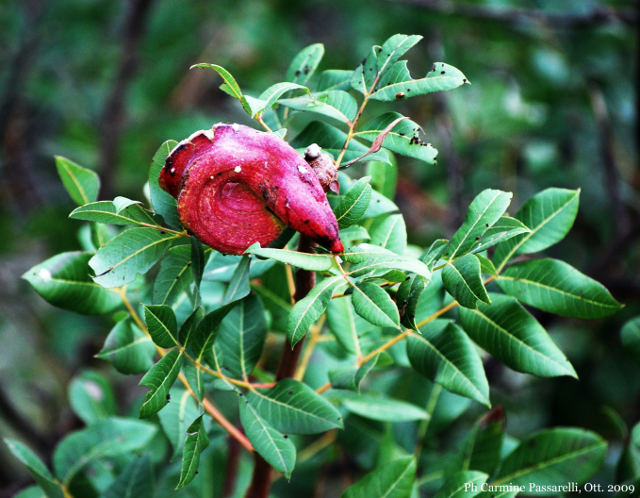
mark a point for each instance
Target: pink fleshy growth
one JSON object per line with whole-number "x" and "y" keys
{"x": 236, "y": 186}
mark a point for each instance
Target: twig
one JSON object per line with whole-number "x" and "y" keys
{"x": 114, "y": 114}
{"x": 596, "y": 16}
{"x": 314, "y": 338}
{"x": 317, "y": 446}
{"x": 213, "y": 411}
{"x": 366, "y": 92}
{"x": 231, "y": 472}
{"x": 261, "y": 122}
{"x": 400, "y": 337}
{"x": 208, "y": 406}
{"x": 305, "y": 280}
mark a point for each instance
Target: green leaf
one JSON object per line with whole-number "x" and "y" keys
{"x": 335, "y": 104}
{"x": 380, "y": 408}
{"x": 407, "y": 299}
{"x": 403, "y": 139}
{"x": 549, "y": 214}
{"x": 374, "y": 305}
{"x": 271, "y": 95}
{"x": 511, "y": 334}
{"x": 240, "y": 338}
{"x": 38, "y": 470}
{"x": 162, "y": 325}
{"x": 379, "y": 205}
{"x": 630, "y": 336}
{"x": 434, "y": 252}
{"x": 128, "y": 349}
{"x": 331, "y": 140}
{"x": 274, "y": 447}
{"x": 553, "y": 457}
{"x": 486, "y": 442}
{"x": 485, "y": 210}
{"x": 239, "y": 284}
{"x": 390, "y": 232}
{"x": 188, "y": 327}
{"x": 160, "y": 379}
{"x": 364, "y": 76}
{"x": 163, "y": 203}
{"x": 182, "y": 408}
{"x": 486, "y": 265}
{"x": 369, "y": 258}
{"x": 64, "y": 281}
{"x": 108, "y": 437}
{"x": 394, "y": 479}
{"x": 384, "y": 175}
{"x": 32, "y": 492}
{"x": 504, "y": 229}
{"x": 292, "y": 407}
{"x": 100, "y": 234}
{"x": 306, "y": 311}
{"x": 305, "y": 63}
{"x": 276, "y": 304}
{"x": 353, "y": 235}
{"x": 464, "y": 484}
{"x": 334, "y": 79}
{"x": 628, "y": 467}
{"x": 120, "y": 203}
{"x": 444, "y": 354}
{"x": 398, "y": 83}
{"x": 306, "y": 261}
{"x": 195, "y": 442}
{"x": 351, "y": 377}
{"x": 206, "y": 332}
{"x": 395, "y": 47}
{"x": 230, "y": 85}
{"x": 91, "y": 396}
{"x": 129, "y": 253}
{"x": 555, "y": 286}
{"x": 174, "y": 276}
{"x": 106, "y": 212}
{"x": 463, "y": 280}
{"x": 354, "y": 203}
{"x": 134, "y": 481}
{"x": 344, "y": 323}
{"x": 82, "y": 184}
{"x": 197, "y": 261}
{"x": 220, "y": 267}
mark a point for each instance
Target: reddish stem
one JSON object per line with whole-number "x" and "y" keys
{"x": 305, "y": 280}
{"x": 232, "y": 467}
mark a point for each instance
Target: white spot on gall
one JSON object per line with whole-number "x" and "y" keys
{"x": 237, "y": 169}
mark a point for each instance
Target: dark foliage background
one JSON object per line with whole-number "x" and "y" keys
{"x": 554, "y": 102}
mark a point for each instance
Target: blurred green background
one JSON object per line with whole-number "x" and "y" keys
{"x": 553, "y": 102}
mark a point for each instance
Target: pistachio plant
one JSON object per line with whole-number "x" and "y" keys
{"x": 287, "y": 355}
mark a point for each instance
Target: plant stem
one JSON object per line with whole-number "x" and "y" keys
{"x": 305, "y": 280}
{"x": 314, "y": 336}
{"x": 406, "y": 333}
{"x": 211, "y": 409}
{"x": 208, "y": 406}
{"x": 231, "y": 472}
